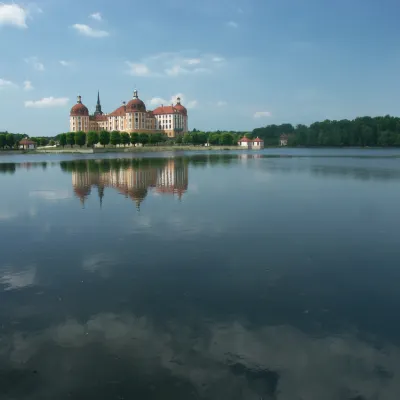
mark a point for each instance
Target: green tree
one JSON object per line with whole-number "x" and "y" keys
{"x": 71, "y": 138}
{"x": 80, "y": 138}
{"x": 226, "y": 139}
{"x": 115, "y": 138}
{"x": 134, "y": 138}
{"x": 10, "y": 140}
{"x": 52, "y": 142}
{"x": 62, "y": 139}
{"x": 214, "y": 138}
{"x": 104, "y": 138}
{"x": 3, "y": 140}
{"x": 125, "y": 139}
{"x": 92, "y": 138}
{"x": 187, "y": 138}
{"x": 178, "y": 139}
{"x": 43, "y": 141}
{"x": 143, "y": 138}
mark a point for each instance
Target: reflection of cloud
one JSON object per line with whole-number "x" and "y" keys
{"x": 51, "y": 194}
{"x": 97, "y": 262}
{"x": 14, "y": 279}
{"x": 230, "y": 358}
{"x": 5, "y": 215}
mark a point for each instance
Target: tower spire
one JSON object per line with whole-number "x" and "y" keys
{"x": 98, "y": 105}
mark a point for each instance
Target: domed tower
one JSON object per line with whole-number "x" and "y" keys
{"x": 136, "y": 114}
{"x": 79, "y": 117}
{"x": 182, "y": 119}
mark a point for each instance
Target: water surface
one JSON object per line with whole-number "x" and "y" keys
{"x": 245, "y": 275}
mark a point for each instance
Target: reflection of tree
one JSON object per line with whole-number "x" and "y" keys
{"x": 131, "y": 177}
{"x": 7, "y": 168}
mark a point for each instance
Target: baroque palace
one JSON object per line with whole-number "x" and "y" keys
{"x": 131, "y": 117}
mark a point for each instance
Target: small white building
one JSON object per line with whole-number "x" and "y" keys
{"x": 283, "y": 140}
{"x": 251, "y": 144}
{"x": 27, "y": 144}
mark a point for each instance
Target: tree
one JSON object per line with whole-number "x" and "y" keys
{"x": 143, "y": 138}
{"x": 214, "y": 138}
{"x": 62, "y": 139}
{"x": 104, "y": 138}
{"x": 115, "y": 138}
{"x": 178, "y": 139}
{"x": 43, "y": 141}
{"x": 80, "y": 138}
{"x": 92, "y": 138}
{"x": 71, "y": 138}
{"x": 187, "y": 138}
{"x": 10, "y": 141}
{"x": 226, "y": 139}
{"x": 125, "y": 139}
{"x": 134, "y": 138}
{"x": 3, "y": 141}
{"x": 52, "y": 142}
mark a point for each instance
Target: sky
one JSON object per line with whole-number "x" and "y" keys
{"x": 236, "y": 65}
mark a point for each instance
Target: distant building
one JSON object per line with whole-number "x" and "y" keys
{"x": 131, "y": 117}
{"x": 27, "y": 144}
{"x": 283, "y": 140}
{"x": 251, "y": 144}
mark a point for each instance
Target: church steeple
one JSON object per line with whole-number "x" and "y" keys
{"x": 98, "y": 105}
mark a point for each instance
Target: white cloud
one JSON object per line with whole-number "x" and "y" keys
{"x": 47, "y": 102}
{"x": 66, "y": 63}
{"x": 158, "y": 101}
{"x": 86, "y": 30}
{"x": 28, "y": 85}
{"x": 233, "y": 24}
{"x": 13, "y": 14}
{"x": 96, "y": 16}
{"x": 221, "y": 103}
{"x": 35, "y": 63}
{"x": 261, "y": 114}
{"x": 137, "y": 69}
{"x": 174, "y": 64}
{"x": 193, "y": 61}
{"x": 5, "y": 83}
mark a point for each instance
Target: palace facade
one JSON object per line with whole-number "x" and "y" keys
{"x": 131, "y": 117}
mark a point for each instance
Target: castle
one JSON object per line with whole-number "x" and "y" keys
{"x": 131, "y": 117}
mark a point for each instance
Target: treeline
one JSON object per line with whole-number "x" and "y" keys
{"x": 363, "y": 131}
{"x": 11, "y": 140}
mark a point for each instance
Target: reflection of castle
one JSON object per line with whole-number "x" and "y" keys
{"x": 171, "y": 177}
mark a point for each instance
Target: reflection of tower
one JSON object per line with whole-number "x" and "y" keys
{"x": 100, "y": 189}
{"x": 173, "y": 178}
{"x": 82, "y": 185}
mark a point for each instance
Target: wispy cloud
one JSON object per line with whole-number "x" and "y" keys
{"x": 66, "y": 63}
{"x": 96, "y": 16}
{"x": 28, "y": 85}
{"x": 6, "y": 83}
{"x": 47, "y": 102}
{"x": 14, "y": 15}
{"x": 174, "y": 64}
{"x": 14, "y": 279}
{"x": 221, "y": 103}
{"x": 262, "y": 114}
{"x": 158, "y": 101}
{"x": 35, "y": 63}
{"x": 86, "y": 30}
{"x": 232, "y": 24}
{"x": 138, "y": 69}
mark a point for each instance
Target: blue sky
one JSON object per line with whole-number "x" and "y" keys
{"x": 237, "y": 65}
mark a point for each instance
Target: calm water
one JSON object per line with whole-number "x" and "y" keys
{"x": 270, "y": 275}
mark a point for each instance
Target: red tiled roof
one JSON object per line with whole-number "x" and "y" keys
{"x": 166, "y": 110}
{"x": 284, "y": 136}
{"x": 244, "y": 139}
{"x": 119, "y": 112}
{"x": 79, "y": 110}
{"x": 257, "y": 139}
{"x": 181, "y": 109}
{"x": 136, "y": 105}
{"x": 99, "y": 118}
{"x": 26, "y": 142}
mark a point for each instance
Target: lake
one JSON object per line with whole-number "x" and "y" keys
{"x": 230, "y": 275}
